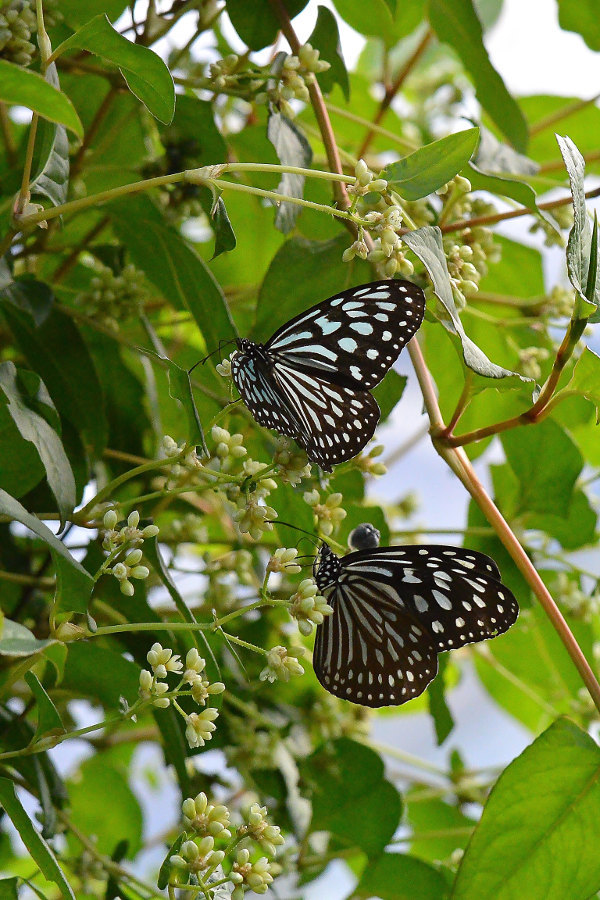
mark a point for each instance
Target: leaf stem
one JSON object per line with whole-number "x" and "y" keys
{"x": 393, "y": 89}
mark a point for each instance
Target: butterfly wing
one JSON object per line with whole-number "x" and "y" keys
{"x": 455, "y": 594}
{"x": 353, "y": 338}
{"x": 334, "y": 423}
{"x": 371, "y": 650}
{"x": 262, "y": 395}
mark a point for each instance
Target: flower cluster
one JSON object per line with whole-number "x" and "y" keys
{"x": 331, "y": 718}
{"x": 295, "y": 74}
{"x": 112, "y": 298}
{"x": 563, "y": 219}
{"x": 530, "y": 359}
{"x": 329, "y": 514}
{"x": 560, "y": 302}
{"x": 383, "y": 224}
{"x": 292, "y": 463}
{"x": 162, "y": 660}
{"x": 280, "y": 666}
{"x": 18, "y": 24}
{"x": 308, "y": 607}
{"x": 369, "y": 463}
{"x": 229, "y": 447}
{"x": 579, "y": 604}
{"x": 205, "y": 823}
{"x": 253, "y": 515}
{"x": 366, "y": 183}
{"x": 127, "y": 541}
{"x": 284, "y": 560}
{"x": 185, "y": 468}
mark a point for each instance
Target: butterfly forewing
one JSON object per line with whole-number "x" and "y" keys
{"x": 353, "y": 337}
{"x": 395, "y": 608}
{"x": 311, "y": 379}
{"x": 262, "y": 395}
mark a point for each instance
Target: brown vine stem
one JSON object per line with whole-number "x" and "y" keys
{"x": 318, "y": 105}
{"x": 457, "y": 459}
{"x": 393, "y": 89}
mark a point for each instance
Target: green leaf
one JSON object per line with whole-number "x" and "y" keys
{"x": 581, "y": 16}
{"x": 177, "y": 271}
{"x": 426, "y": 243}
{"x": 585, "y": 379}
{"x": 8, "y": 888}
{"x": 22, "y": 87}
{"x": 256, "y": 22}
{"x": 49, "y": 722}
{"x": 166, "y": 867}
{"x": 579, "y": 247}
{"x": 33, "y": 428}
{"x": 438, "y": 708}
{"x": 73, "y": 584}
{"x": 547, "y": 463}
{"x": 491, "y": 171}
{"x": 100, "y": 674}
{"x": 52, "y": 180}
{"x": 146, "y": 74}
{"x": 292, "y": 149}
{"x": 528, "y": 672}
{"x": 395, "y": 876}
{"x": 432, "y": 166}
{"x": 351, "y": 799}
{"x": 435, "y": 815}
{"x": 35, "y": 843}
{"x": 326, "y": 39}
{"x": 78, "y": 12}
{"x": 373, "y": 18}
{"x": 224, "y": 234}
{"x": 455, "y": 22}
{"x": 16, "y": 640}
{"x": 33, "y": 297}
{"x": 536, "y": 821}
{"x": 110, "y": 822}
{"x": 316, "y": 270}
{"x": 180, "y": 388}
{"x": 56, "y": 350}
{"x": 574, "y": 531}
{"x": 389, "y": 392}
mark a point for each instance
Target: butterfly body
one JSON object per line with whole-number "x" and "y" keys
{"x": 395, "y": 609}
{"x": 312, "y": 379}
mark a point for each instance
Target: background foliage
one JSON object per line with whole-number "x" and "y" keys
{"x": 141, "y": 227}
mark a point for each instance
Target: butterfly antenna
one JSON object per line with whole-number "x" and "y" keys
{"x": 313, "y": 537}
{"x": 218, "y": 350}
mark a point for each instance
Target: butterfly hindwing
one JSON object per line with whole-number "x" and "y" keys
{"x": 369, "y": 650}
{"x": 335, "y": 422}
{"x": 354, "y": 337}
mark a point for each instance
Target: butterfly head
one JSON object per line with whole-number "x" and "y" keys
{"x": 326, "y": 567}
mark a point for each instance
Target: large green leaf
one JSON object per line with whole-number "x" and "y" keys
{"x": 35, "y": 429}
{"x": 432, "y": 166}
{"x": 394, "y": 876}
{"x": 326, "y": 39}
{"x": 100, "y": 674}
{"x": 351, "y": 798}
{"x": 144, "y": 71}
{"x": 52, "y": 180}
{"x": 581, "y": 16}
{"x": 73, "y": 584}
{"x": 177, "y": 271}
{"x": 579, "y": 262}
{"x": 49, "y": 721}
{"x": 256, "y": 22}
{"x": 22, "y": 87}
{"x": 292, "y": 149}
{"x": 426, "y": 243}
{"x": 110, "y": 822}
{"x": 585, "y": 379}
{"x": 547, "y": 463}
{"x": 538, "y": 821}
{"x": 58, "y": 353}
{"x": 16, "y": 640}
{"x": 528, "y": 672}
{"x": 35, "y": 843}
{"x": 455, "y": 22}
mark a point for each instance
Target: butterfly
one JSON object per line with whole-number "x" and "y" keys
{"x": 395, "y": 609}
{"x": 312, "y": 379}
